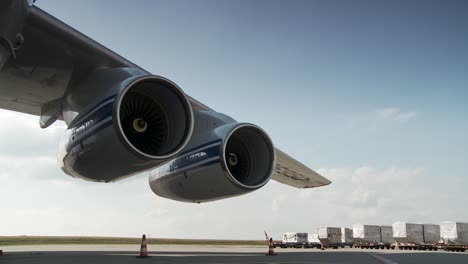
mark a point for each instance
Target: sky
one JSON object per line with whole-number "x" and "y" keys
{"x": 371, "y": 94}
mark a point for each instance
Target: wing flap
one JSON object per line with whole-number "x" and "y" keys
{"x": 293, "y": 173}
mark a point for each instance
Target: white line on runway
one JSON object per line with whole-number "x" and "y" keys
{"x": 380, "y": 259}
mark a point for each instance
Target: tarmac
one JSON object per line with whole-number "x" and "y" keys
{"x": 117, "y": 254}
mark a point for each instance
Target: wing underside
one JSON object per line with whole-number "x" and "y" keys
{"x": 53, "y": 57}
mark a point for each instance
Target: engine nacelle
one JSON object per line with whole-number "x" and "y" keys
{"x": 122, "y": 122}
{"x": 229, "y": 160}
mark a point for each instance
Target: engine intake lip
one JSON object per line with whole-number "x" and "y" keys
{"x": 271, "y": 157}
{"x": 174, "y": 91}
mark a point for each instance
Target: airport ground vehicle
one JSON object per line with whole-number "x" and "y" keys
{"x": 366, "y": 236}
{"x": 330, "y": 237}
{"x": 347, "y": 237}
{"x": 410, "y": 246}
{"x": 293, "y": 240}
{"x": 312, "y": 241}
{"x": 409, "y": 236}
{"x": 373, "y": 237}
{"x": 451, "y": 247}
{"x": 449, "y": 236}
{"x": 453, "y": 236}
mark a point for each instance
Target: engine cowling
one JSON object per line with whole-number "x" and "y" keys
{"x": 137, "y": 122}
{"x": 153, "y": 117}
{"x": 234, "y": 159}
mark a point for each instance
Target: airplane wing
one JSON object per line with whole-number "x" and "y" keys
{"x": 293, "y": 173}
{"x": 54, "y": 56}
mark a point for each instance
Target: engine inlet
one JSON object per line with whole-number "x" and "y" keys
{"x": 155, "y": 117}
{"x": 249, "y": 156}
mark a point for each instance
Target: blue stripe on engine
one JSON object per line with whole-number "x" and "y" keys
{"x": 91, "y": 125}
{"x": 199, "y": 147}
{"x": 202, "y": 165}
{"x": 199, "y": 157}
{"x": 82, "y": 116}
{"x": 90, "y": 133}
{"x": 188, "y": 160}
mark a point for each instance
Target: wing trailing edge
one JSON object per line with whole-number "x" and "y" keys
{"x": 293, "y": 173}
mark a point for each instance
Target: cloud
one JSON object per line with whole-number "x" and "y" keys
{"x": 26, "y": 167}
{"x": 21, "y": 135}
{"x": 394, "y": 114}
{"x": 277, "y": 200}
{"x": 377, "y": 119}
{"x": 364, "y": 194}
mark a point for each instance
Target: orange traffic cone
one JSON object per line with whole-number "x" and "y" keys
{"x": 322, "y": 247}
{"x": 143, "y": 248}
{"x": 271, "y": 250}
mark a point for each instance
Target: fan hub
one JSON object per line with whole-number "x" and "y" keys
{"x": 139, "y": 125}
{"x": 233, "y": 160}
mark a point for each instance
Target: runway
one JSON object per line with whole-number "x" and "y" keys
{"x": 91, "y": 254}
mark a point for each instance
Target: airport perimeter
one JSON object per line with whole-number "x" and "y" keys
{"x": 216, "y": 254}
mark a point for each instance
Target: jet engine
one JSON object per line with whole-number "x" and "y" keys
{"x": 229, "y": 160}
{"x": 137, "y": 122}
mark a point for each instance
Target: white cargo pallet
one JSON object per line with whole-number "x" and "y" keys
{"x": 408, "y": 233}
{"x": 330, "y": 236}
{"x": 455, "y": 233}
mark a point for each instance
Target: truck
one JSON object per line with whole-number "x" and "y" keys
{"x": 346, "y": 237}
{"x": 366, "y": 236}
{"x": 293, "y": 240}
{"x": 312, "y": 241}
{"x": 453, "y": 236}
{"x": 330, "y": 236}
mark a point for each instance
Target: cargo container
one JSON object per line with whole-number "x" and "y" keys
{"x": 330, "y": 236}
{"x": 312, "y": 241}
{"x": 386, "y": 237}
{"x": 408, "y": 233}
{"x": 346, "y": 237}
{"x": 296, "y": 240}
{"x": 453, "y": 236}
{"x": 431, "y": 234}
{"x": 454, "y": 232}
{"x": 366, "y": 236}
{"x": 411, "y": 236}
{"x": 373, "y": 236}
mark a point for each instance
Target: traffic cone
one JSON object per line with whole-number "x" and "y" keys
{"x": 322, "y": 247}
{"x": 271, "y": 250}
{"x": 143, "y": 248}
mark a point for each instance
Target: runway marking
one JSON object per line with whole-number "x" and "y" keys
{"x": 380, "y": 259}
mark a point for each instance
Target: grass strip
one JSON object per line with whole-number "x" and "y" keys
{"x": 85, "y": 240}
